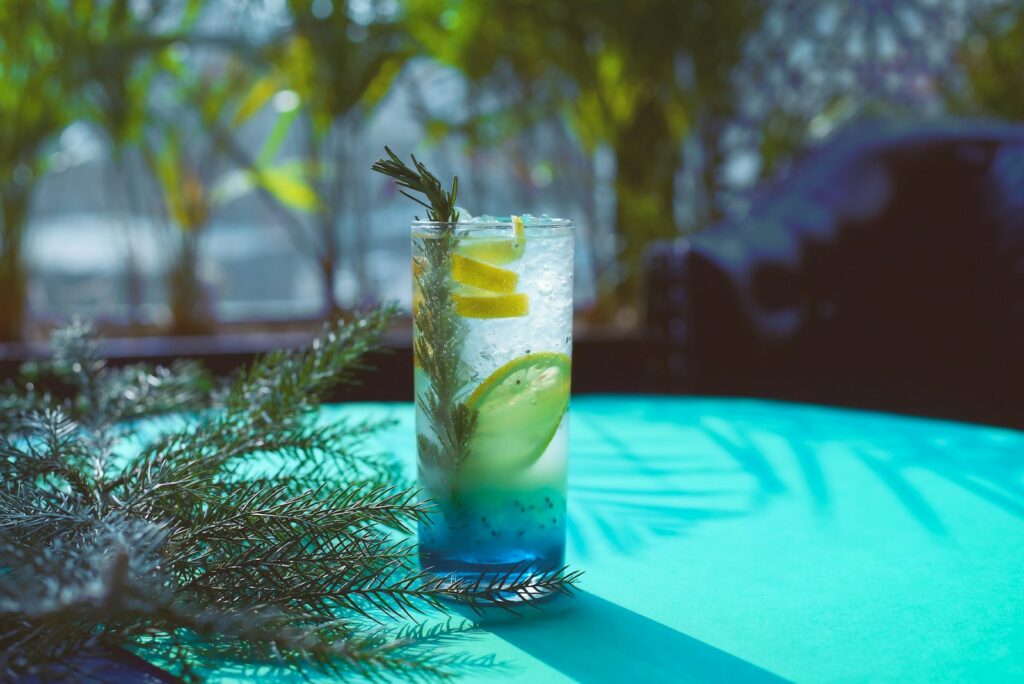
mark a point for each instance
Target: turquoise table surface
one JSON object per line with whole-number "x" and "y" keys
{"x": 730, "y": 540}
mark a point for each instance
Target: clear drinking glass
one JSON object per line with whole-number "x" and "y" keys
{"x": 493, "y": 309}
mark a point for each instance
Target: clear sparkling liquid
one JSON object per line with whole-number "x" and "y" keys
{"x": 517, "y": 519}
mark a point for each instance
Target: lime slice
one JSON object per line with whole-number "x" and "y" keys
{"x": 482, "y": 275}
{"x": 497, "y": 250}
{"x": 518, "y": 409}
{"x": 491, "y": 305}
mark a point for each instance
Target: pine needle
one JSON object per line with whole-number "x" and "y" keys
{"x": 243, "y": 534}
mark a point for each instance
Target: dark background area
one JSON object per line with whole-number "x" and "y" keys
{"x": 601, "y": 363}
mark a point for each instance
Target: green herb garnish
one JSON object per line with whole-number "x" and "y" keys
{"x": 440, "y": 331}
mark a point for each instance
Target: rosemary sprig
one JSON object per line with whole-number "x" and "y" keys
{"x": 439, "y": 331}
{"x": 418, "y": 178}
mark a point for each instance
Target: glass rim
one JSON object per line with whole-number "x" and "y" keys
{"x": 543, "y": 222}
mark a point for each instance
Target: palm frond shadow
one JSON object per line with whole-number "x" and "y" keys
{"x": 980, "y": 460}
{"x": 681, "y": 461}
{"x": 627, "y": 494}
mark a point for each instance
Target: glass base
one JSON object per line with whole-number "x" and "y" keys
{"x": 515, "y": 576}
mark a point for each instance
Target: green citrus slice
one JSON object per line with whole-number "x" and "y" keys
{"x": 485, "y": 305}
{"x": 518, "y": 409}
{"x": 482, "y": 275}
{"x": 498, "y": 250}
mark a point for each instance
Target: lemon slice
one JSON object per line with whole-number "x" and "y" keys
{"x": 497, "y": 250}
{"x": 518, "y": 409}
{"x": 419, "y": 265}
{"x": 482, "y": 275}
{"x": 417, "y": 300}
{"x": 485, "y": 305}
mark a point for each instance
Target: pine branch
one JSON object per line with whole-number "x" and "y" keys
{"x": 244, "y": 533}
{"x": 46, "y": 445}
{"x": 106, "y": 395}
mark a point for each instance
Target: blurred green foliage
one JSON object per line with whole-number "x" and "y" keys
{"x": 182, "y": 83}
{"x": 341, "y": 70}
{"x": 994, "y": 62}
{"x": 62, "y": 61}
{"x": 636, "y": 77}
{"x": 33, "y": 89}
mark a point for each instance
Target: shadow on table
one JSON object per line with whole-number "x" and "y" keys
{"x": 627, "y": 492}
{"x": 589, "y": 639}
{"x": 981, "y": 460}
{"x": 101, "y": 665}
{"x": 776, "y": 449}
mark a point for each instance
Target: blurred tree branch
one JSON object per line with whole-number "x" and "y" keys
{"x": 633, "y": 77}
{"x": 994, "y": 61}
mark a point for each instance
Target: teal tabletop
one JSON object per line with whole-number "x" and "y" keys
{"x": 729, "y": 540}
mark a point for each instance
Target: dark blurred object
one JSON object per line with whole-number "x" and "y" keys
{"x": 103, "y": 665}
{"x": 886, "y": 272}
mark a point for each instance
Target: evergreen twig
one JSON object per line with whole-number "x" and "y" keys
{"x": 242, "y": 533}
{"x": 439, "y": 331}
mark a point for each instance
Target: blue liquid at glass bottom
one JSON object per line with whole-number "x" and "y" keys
{"x": 494, "y": 531}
